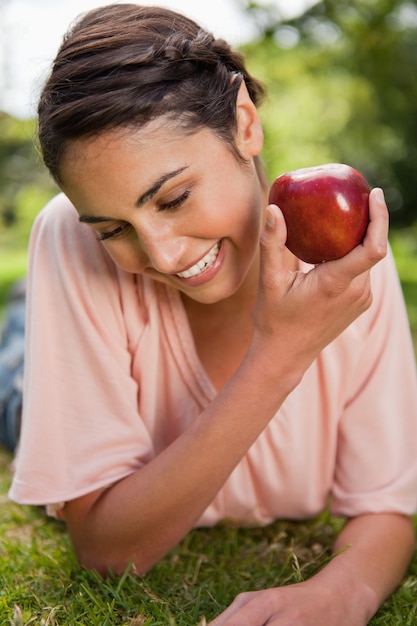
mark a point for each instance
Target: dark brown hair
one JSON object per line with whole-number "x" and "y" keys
{"x": 123, "y": 65}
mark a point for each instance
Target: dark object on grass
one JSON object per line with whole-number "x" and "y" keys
{"x": 11, "y": 366}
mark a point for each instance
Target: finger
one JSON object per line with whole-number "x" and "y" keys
{"x": 272, "y": 245}
{"x": 238, "y": 603}
{"x": 376, "y": 236}
{"x": 248, "y": 609}
{"x": 275, "y": 230}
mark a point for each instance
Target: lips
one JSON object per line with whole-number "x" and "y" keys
{"x": 203, "y": 264}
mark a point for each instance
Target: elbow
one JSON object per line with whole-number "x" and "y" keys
{"x": 99, "y": 564}
{"x": 106, "y": 563}
{"x": 108, "y": 551}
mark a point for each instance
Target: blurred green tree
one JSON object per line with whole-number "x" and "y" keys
{"x": 343, "y": 84}
{"x": 342, "y": 80}
{"x": 24, "y": 183}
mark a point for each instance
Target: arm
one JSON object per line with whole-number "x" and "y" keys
{"x": 146, "y": 514}
{"x": 375, "y": 551}
{"x": 379, "y": 549}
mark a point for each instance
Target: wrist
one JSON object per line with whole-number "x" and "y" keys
{"x": 349, "y": 598}
{"x": 358, "y": 600}
{"x": 275, "y": 369}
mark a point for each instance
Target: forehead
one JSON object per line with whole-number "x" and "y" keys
{"x": 118, "y": 166}
{"x": 109, "y": 145}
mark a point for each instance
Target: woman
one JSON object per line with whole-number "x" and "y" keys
{"x": 182, "y": 366}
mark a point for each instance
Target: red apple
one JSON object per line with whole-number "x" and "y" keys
{"x": 325, "y": 208}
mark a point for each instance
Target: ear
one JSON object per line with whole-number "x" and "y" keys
{"x": 250, "y": 137}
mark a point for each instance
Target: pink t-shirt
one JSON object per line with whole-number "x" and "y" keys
{"x": 112, "y": 377}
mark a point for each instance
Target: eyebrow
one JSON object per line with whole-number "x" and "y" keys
{"x": 158, "y": 184}
{"x": 147, "y": 195}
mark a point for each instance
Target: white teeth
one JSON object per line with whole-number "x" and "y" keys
{"x": 203, "y": 264}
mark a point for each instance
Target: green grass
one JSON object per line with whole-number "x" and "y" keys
{"x": 42, "y": 584}
{"x": 13, "y": 262}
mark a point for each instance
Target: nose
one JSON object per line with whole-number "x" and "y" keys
{"x": 163, "y": 246}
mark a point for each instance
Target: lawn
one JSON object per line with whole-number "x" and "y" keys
{"x": 42, "y": 584}
{"x": 12, "y": 266}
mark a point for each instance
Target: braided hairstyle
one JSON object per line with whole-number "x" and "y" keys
{"x": 123, "y": 65}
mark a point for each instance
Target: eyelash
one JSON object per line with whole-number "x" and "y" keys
{"x": 166, "y": 206}
{"x": 112, "y": 233}
{"x": 176, "y": 202}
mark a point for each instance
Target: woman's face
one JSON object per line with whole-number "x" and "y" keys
{"x": 176, "y": 207}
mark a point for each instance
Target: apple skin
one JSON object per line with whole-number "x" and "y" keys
{"x": 326, "y": 210}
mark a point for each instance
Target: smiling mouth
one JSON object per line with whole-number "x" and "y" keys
{"x": 202, "y": 264}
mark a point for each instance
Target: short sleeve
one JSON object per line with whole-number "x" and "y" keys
{"x": 376, "y": 468}
{"x": 76, "y": 339}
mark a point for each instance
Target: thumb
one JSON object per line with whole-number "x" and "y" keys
{"x": 272, "y": 242}
{"x": 275, "y": 230}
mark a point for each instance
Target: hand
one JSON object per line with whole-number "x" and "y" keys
{"x": 300, "y": 313}
{"x": 302, "y": 604}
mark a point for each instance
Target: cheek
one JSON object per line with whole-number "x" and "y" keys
{"x": 243, "y": 206}
{"x": 127, "y": 257}
{"x": 252, "y": 217}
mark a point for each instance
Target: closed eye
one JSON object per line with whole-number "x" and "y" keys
{"x": 116, "y": 232}
{"x": 177, "y": 202}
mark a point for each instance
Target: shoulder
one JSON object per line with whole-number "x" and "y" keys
{"x": 59, "y": 217}
{"x": 68, "y": 244}
{"x": 68, "y": 262}
{"x": 57, "y": 209}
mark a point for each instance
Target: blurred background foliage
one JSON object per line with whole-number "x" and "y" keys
{"x": 24, "y": 183}
{"x": 342, "y": 87}
{"x": 342, "y": 81}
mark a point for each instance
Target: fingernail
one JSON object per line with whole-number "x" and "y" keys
{"x": 379, "y": 193}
